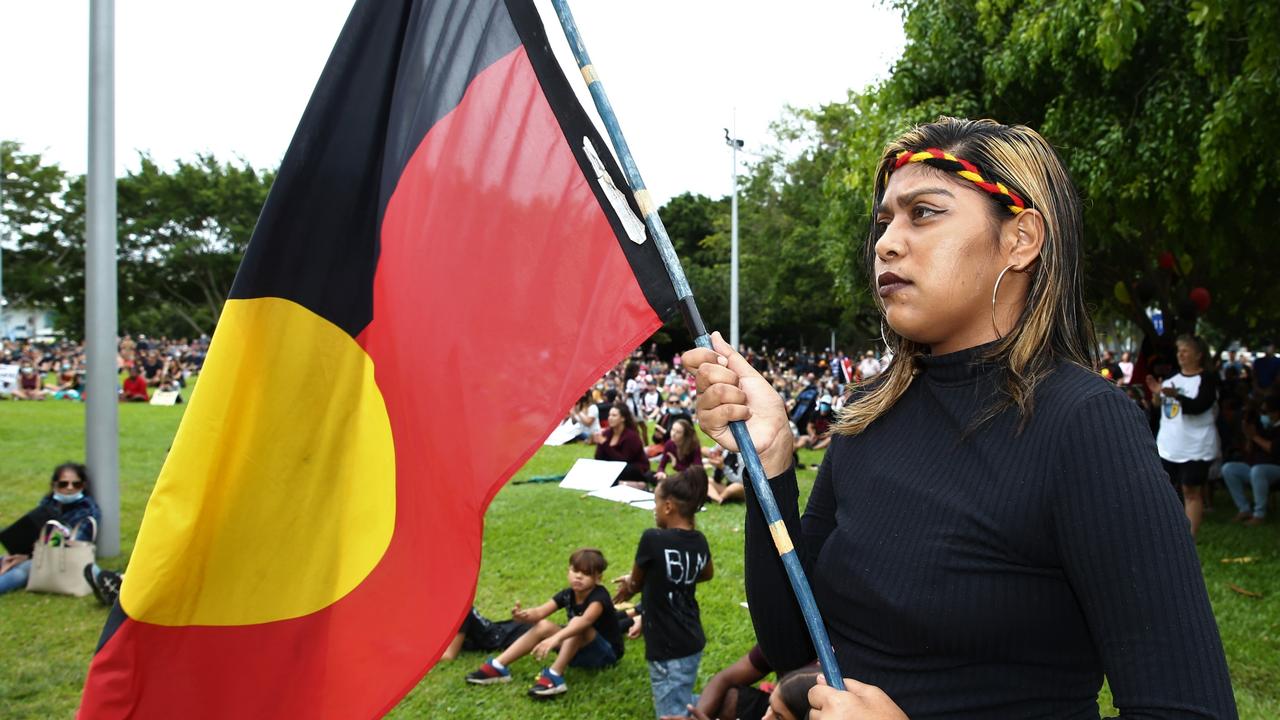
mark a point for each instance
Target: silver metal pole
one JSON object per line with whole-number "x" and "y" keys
{"x": 734, "y": 144}
{"x": 102, "y": 452}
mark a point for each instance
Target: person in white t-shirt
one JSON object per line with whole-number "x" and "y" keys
{"x": 587, "y": 416}
{"x": 1188, "y": 437}
{"x": 869, "y": 367}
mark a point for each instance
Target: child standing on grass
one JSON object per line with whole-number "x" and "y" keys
{"x": 591, "y": 639}
{"x": 670, "y": 560}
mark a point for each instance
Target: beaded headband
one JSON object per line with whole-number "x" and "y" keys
{"x": 965, "y": 169}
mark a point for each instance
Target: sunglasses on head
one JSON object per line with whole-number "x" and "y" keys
{"x": 68, "y": 484}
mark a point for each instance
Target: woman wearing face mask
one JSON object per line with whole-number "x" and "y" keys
{"x": 991, "y": 528}
{"x": 70, "y": 503}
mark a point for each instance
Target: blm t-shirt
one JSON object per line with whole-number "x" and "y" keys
{"x": 672, "y": 559}
{"x": 606, "y": 625}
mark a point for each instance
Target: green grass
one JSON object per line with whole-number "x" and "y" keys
{"x": 47, "y": 641}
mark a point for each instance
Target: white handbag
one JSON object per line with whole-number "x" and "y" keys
{"x": 57, "y": 563}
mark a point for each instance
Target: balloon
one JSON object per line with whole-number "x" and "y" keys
{"x": 1122, "y": 294}
{"x": 1185, "y": 264}
{"x": 1200, "y": 296}
{"x": 1166, "y": 260}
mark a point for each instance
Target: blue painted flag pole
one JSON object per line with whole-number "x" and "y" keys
{"x": 755, "y": 471}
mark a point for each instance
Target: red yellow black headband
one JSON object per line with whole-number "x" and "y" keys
{"x": 965, "y": 169}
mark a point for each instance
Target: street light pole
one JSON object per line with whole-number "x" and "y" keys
{"x": 734, "y": 144}
{"x": 102, "y": 447}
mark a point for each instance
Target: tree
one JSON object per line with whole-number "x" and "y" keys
{"x": 43, "y": 255}
{"x": 180, "y": 237}
{"x": 182, "y": 234}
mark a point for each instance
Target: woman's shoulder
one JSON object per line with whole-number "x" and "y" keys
{"x": 1083, "y": 396}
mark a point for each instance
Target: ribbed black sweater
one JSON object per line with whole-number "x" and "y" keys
{"x": 990, "y": 574}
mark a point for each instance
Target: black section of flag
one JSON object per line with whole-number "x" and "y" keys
{"x": 644, "y": 258}
{"x": 316, "y": 242}
{"x": 446, "y": 45}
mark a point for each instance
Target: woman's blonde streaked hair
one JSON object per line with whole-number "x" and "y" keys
{"x": 1054, "y": 325}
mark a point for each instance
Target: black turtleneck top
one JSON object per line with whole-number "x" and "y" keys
{"x": 992, "y": 573}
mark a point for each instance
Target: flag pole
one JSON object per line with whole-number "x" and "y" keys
{"x": 755, "y": 471}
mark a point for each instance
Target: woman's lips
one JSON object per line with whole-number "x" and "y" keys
{"x": 889, "y": 283}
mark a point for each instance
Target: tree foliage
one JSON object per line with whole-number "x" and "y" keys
{"x": 180, "y": 236}
{"x": 1164, "y": 112}
{"x": 1161, "y": 112}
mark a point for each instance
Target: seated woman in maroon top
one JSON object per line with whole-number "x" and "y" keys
{"x": 621, "y": 441}
{"x": 682, "y": 449}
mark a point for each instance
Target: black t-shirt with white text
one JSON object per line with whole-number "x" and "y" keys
{"x": 606, "y": 625}
{"x": 672, "y": 560}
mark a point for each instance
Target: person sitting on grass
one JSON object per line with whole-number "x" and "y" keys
{"x": 621, "y": 442}
{"x": 1263, "y": 466}
{"x": 69, "y": 502}
{"x": 69, "y": 384}
{"x": 30, "y": 384}
{"x": 670, "y": 560}
{"x": 682, "y": 450}
{"x": 590, "y": 640}
{"x": 728, "y": 482}
{"x": 729, "y": 694}
{"x": 135, "y": 387}
{"x": 479, "y": 633}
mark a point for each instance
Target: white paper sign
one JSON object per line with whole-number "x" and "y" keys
{"x": 165, "y": 397}
{"x": 624, "y": 494}
{"x": 563, "y": 433}
{"x": 587, "y": 474}
{"x": 8, "y": 378}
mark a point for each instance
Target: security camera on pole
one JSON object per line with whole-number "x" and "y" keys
{"x": 734, "y": 144}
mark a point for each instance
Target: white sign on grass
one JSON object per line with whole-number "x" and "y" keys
{"x": 589, "y": 475}
{"x": 8, "y": 378}
{"x": 626, "y": 494}
{"x": 165, "y": 397}
{"x": 563, "y": 433}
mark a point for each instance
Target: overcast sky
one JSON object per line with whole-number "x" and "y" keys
{"x": 232, "y": 77}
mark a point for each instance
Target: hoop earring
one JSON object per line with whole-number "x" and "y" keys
{"x": 883, "y": 339}
{"x": 995, "y": 291}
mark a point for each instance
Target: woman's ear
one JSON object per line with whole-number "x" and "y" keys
{"x": 1023, "y": 238}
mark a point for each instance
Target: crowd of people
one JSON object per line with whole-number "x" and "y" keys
{"x": 55, "y": 369}
{"x": 1213, "y": 421}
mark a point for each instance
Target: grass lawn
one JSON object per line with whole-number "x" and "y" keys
{"x": 46, "y": 641}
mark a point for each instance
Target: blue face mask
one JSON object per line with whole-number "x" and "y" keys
{"x": 64, "y": 499}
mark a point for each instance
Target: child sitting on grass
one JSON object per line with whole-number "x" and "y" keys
{"x": 591, "y": 639}
{"x": 670, "y": 560}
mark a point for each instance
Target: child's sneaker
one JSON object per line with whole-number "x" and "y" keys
{"x": 548, "y": 684}
{"x": 488, "y": 674}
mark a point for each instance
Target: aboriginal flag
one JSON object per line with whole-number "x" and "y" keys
{"x": 444, "y": 262}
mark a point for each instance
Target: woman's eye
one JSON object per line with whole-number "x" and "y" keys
{"x": 920, "y": 212}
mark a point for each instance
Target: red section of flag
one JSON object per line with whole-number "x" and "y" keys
{"x": 501, "y": 292}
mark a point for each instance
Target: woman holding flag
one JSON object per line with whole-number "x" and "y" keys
{"x": 991, "y": 529}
